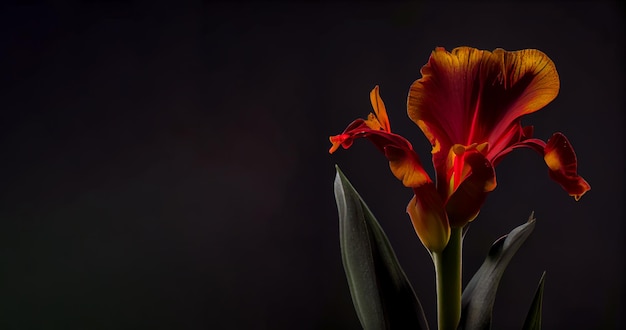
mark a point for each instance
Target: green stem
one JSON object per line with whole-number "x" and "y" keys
{"x": 448, "y": 270}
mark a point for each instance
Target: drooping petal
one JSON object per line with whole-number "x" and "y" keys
{"x": 465, "y": 202}
{"x": 427, "y": 213}
{"x": 561, "y": 160}
{"x": 560, "y": 157}
{"x": 517, "y": 136}
{"x": 346, "y": 138}
{"x": 403, "y": 161}
{"x": 473, "y": 96}
{"x": 375, "y": 121}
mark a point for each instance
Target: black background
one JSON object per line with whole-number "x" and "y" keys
{"x": 167, "y": 167}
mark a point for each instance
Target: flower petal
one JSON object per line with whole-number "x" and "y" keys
{"x": 406, "y": 166}
{"x": 513, "y": 139}
{"x": 473, "y": 96}
{"x": 403, "y": 161}
{"x": 380, "y": 110}
{"x": 465, "y": 202}
{"x": 561, "y": 160}
{"x": 346, "y": 138}
{"x": 429, "y": 219}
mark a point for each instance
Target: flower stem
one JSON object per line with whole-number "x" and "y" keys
{"x": 448, "y": 270}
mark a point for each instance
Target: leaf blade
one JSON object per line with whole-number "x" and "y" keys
{"x": 479, "y": 295}
{"x": 533, "y": 319}
{"x": 382, "y": 295}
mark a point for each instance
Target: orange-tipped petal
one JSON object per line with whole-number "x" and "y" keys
{"x": 379, "y": 110}
{"x": 561, "y": 160}
{"x": 406, "y": 166}
{"x": 403, "y": 160}
{"x": 473, "y": 96}
{"x": 336, "y": 141}
{"x": 429, "y": 218}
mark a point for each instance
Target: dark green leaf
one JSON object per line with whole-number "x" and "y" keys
{"x": 480, "y": 293}
{"x": 381, "y": 293}
{"x": 533, "y": 319}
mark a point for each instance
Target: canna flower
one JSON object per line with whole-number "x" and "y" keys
{"x": 469, "y": 104}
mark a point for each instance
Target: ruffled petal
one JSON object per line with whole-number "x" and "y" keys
{"x": 473, "y": 96}
{"x": 429, "y": 219}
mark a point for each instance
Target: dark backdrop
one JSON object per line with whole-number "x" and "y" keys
{"x": 167, "y": 167}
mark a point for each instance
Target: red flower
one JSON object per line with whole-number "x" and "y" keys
{"x": 468, "y": 103}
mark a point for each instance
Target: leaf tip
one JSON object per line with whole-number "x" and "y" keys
{"x": 532, "y": 218}
{"x": 543, "y": 277}
{"x": 339, "y": 176}
{"x": 533, "y": 318}
{"x": 339, "y": 172}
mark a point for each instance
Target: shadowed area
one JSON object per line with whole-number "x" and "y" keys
{"x": 168, "y": 167}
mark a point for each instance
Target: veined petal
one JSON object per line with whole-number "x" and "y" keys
{"x": 438, "y": 102}
{"x": 516, "y": 136}
{"x": 473, "y": 96}
{"x": 561, "y": 160}
{"x": 429, "y": 219}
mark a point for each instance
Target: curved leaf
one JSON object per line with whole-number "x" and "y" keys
{"x": 533, "y": 319}
{"x": 381, "y": 293}
{"x": 480, "y": 293}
